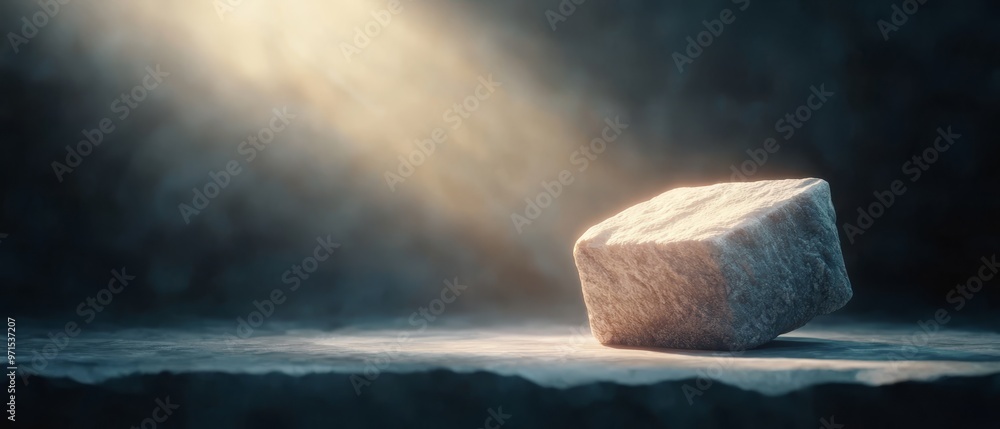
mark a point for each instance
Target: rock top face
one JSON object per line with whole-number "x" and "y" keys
{"x": 722, "y": 267}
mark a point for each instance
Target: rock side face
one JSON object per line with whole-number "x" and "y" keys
{"x": 723, "y": 267}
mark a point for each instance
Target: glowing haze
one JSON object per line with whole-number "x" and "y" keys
{"x": 367, "y": 81}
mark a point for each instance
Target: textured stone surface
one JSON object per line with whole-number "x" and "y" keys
{"x": 544, "y": 375}
{"x": 723, "y": 267}
{"x": 837, "y": 350}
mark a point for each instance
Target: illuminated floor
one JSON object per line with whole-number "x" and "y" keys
{"x": 551, "y": 356}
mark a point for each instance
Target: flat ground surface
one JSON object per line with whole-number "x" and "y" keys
{"x": 547, "y": 355}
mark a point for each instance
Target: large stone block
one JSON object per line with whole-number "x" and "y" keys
{"x": 722, "y": 267}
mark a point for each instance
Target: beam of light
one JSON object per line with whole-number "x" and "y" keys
{"x": 362, "y": 113}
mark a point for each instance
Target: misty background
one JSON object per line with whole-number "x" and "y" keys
{"x": 355, "y": 115}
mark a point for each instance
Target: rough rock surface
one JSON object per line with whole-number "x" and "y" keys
{"x": 723, "y": 267}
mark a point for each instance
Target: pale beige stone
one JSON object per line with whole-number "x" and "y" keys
{"x": 724, "y": 267}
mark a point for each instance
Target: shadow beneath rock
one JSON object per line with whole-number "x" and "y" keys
{"x": 820, "y": 348}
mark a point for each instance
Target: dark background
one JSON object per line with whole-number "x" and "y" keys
{"x": 119, "y": 208}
